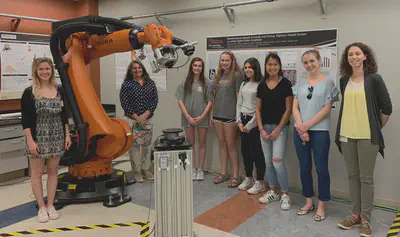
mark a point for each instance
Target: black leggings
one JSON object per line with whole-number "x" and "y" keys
{"x": 252, "y": 151}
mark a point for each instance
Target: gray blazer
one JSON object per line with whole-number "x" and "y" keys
{"x": 378, "y": 102}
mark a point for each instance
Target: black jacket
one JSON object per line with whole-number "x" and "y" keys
{"x": 378, "y": 102}
{"x": 28, "y": 110}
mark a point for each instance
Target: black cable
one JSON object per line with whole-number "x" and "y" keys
{"x": 188, "y": 58}
{"x": 117, "y": 162}
{"x": 151, "y": 188}
{"x": 152, "y": 230}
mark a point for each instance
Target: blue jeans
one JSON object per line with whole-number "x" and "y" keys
{"x": 276, "y": 149}
{"x": 319, "y": 145}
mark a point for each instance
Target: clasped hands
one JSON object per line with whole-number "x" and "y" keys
{"x": 194, "y": 121}
{"x": 302, "y": 130}
{"x": 141, "y": 119}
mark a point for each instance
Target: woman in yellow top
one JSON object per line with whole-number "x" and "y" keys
{"x": 366, "y": 107}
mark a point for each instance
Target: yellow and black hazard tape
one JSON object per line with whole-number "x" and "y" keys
{"x": 144, "y": 232}
{"x": 395, "y": 228}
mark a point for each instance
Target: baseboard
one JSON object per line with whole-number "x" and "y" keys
{"x": 12, "y": 175}
{"x": 340, "y": 194}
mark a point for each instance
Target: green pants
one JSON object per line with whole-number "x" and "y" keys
{"x": 360, "y": 157}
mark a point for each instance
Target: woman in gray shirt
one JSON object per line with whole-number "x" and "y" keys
{"x": 312, "y": 104}
{"x": 226, "y": 87}
{"x": 195, "y": 101}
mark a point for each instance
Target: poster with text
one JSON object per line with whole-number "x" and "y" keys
{"x": 17, "y": 52}
{"x": 288, "y": 45}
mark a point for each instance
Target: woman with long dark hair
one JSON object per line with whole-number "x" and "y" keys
{"x": 274, "y": 107}
{"x": 365, "y": 110}
{"x": 195, "y": 101}
{"x": 247, "y": 123}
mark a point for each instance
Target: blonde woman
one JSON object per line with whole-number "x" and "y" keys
{"x": 46, "y": 131}
{"x": 312, "y": 104}
{"x": 226, "y": 87}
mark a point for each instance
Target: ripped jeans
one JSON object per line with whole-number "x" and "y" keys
{"x": 276, "y": 171}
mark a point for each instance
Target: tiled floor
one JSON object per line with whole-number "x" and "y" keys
{"x": 218, "y": 210}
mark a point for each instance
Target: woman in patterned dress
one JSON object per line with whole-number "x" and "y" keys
{"x": 46, "y": 131}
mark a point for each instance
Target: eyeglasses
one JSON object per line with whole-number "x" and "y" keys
{"x": 310, "y": 91}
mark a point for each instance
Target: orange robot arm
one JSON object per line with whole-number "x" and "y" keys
{"x": 74, "y": 44}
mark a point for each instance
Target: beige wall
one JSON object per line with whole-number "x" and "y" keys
{"x": 372, "y": 22}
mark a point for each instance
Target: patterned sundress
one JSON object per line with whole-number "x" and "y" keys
{"x": 50, "y": 136}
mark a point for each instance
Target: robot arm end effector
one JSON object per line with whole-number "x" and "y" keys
{"x": 166, "y": 56}
{"x": 165, "y": 46}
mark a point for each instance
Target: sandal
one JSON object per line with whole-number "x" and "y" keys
{"x": 234, "y": 183}
{"x": 220, "y": 179}
{"x": 302, "y": 212}
{"x": 319, "y": 218}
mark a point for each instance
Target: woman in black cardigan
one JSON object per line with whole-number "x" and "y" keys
{"x": 47, "y": 132}
{"x": 366, "y": 107}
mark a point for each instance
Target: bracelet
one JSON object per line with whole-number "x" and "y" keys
{"x": 260, "y": 129}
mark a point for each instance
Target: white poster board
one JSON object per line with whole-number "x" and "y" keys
{"x": 288, "y": 45}
{"x": 17, "y": 52}
{"x": 145, "y": 55}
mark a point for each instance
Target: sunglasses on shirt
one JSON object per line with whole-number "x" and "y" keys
{"x": 310, "y": 92}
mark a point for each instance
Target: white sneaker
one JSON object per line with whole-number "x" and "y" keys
{"x": 257, "y": 188}
{"x": 200, "y": 174}
{"x": 268, "y": 197}
{"x": 285, "y": 202}
{"x": 42, "y": 216}
{"x": 53, "y": 214}
{"x": 246, "y": 184}
{"x": 194, "y": 174}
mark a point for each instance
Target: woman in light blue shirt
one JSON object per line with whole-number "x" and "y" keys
{"x": 313, "y": 99}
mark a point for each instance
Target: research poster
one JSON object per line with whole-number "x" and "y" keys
{"x": 288, "y": 45}
{"x": 18, "y": 50}
{"x": 144, "y": 55}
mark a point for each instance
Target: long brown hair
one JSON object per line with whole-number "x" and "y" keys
{"x": 255, "y": 65}
{"x": 129, "y": 75}
{"x": 234, "y": 68}
{"x": 369, "y": 64}
{"x": 190, "y": 78}
{"x": 36, "y": 81}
